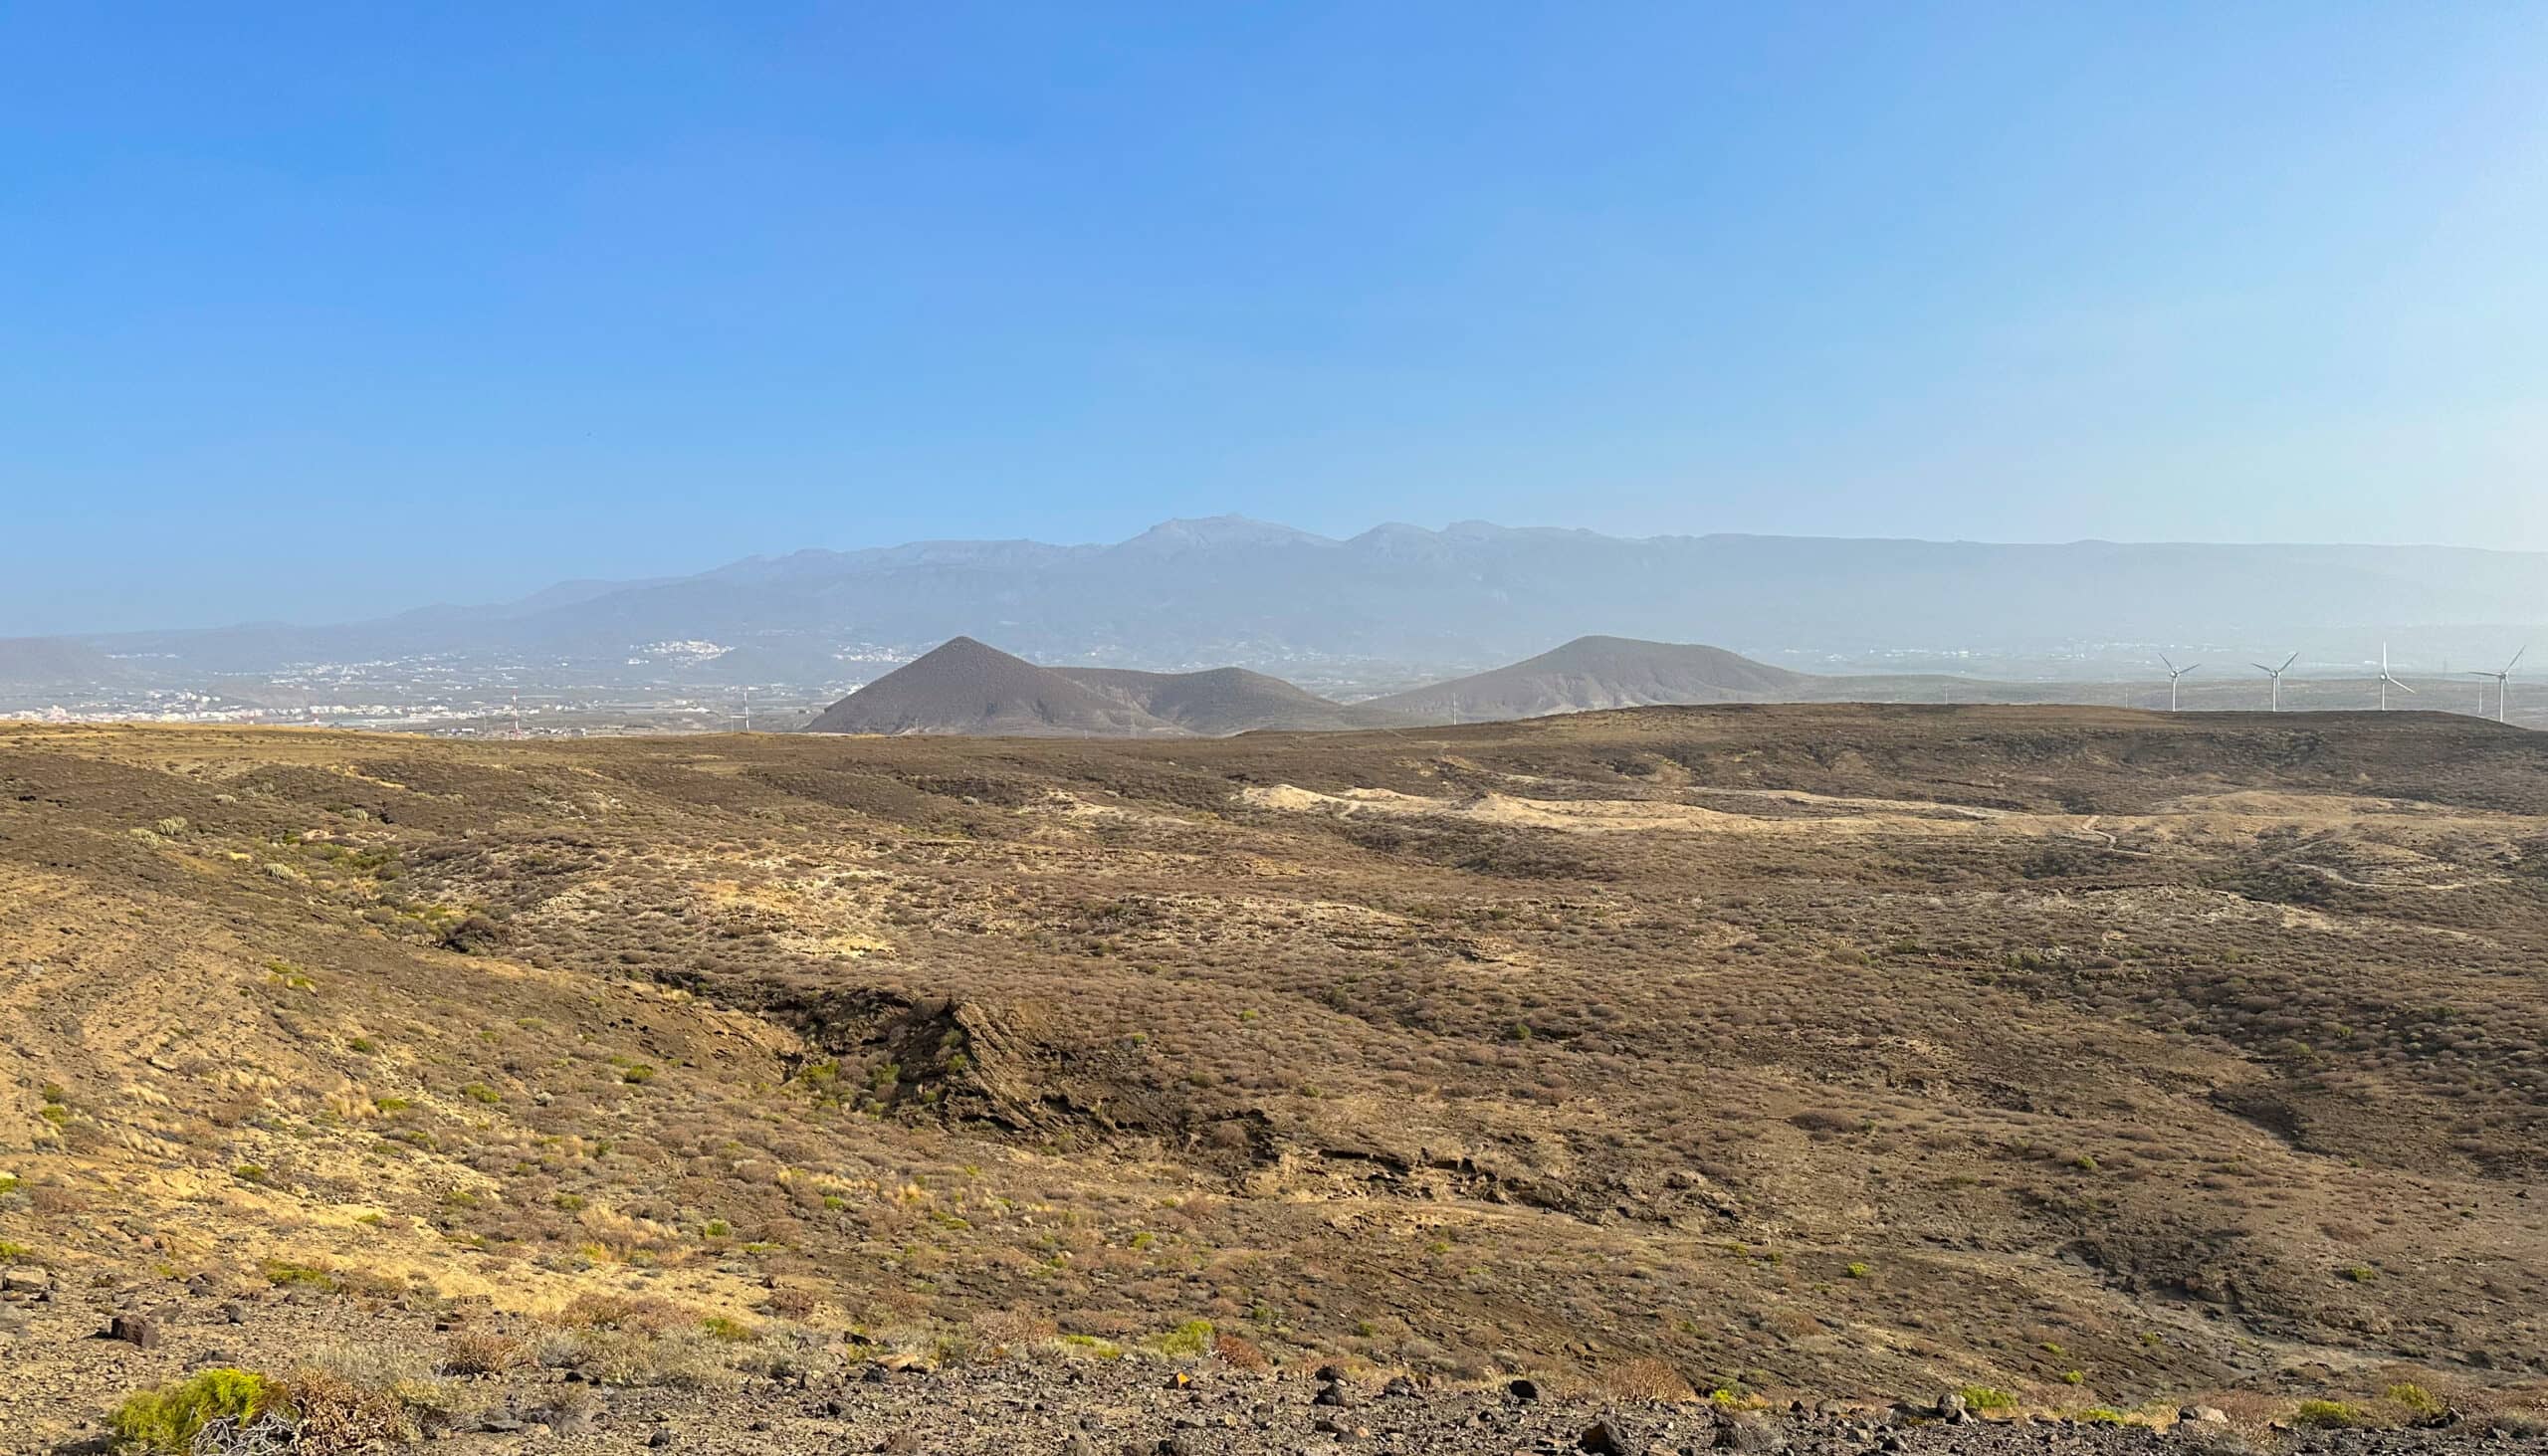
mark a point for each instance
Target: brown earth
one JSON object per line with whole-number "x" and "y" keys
{"x": 2097, "y": 1057}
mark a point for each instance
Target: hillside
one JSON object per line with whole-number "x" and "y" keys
{"x": 1594, "y": 673}
{"x": 47, "y": 663}
{"x": 1222, "y": 701}
{"x": 965, "y": 687}
{"x": 2097, "y": 1057}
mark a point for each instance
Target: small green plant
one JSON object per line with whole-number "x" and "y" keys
{"x": 168, "y": 1418}
{"x": 285, "y": 1274}
{"x": 638, "y": 1076}
{"x": 732, "y": 1330}
{"x": 1986, "y": 1397}
{"x": 1859, "y": 1270}
{"x": 2074, "y": 1378}
{"x": 2329, "y": 1415}
{"x": 248, "y": 1172}
{"x": 481, "y": 1092}
{"x": 1090, "y": 1344}
{"x": 1186, "y": 1340}
{"x": 2100, "y": 1415}
{"x": 2414, "y": 1397}
{"x": 2358, "y": 1273}
{"x": 716, "y": 1228}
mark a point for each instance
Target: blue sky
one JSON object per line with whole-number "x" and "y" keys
{"x": 319, "y": 311}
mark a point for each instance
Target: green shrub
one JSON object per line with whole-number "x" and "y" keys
{"x": 2414, "y": 1397}
{"x": 282, "y": 1272}
{"x": 167, "y": 1419}
{"x": 1186, "y": 1340}
{"x": 1985, "y": 1397}
{"x": 2329, "y": 1415}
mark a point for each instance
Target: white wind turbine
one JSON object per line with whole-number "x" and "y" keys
{"x": 2275, "y": 703}
{"x": 2175, "y": 671}
{"x": 2502, "y": 680}
{"x": 2387, "y": 682}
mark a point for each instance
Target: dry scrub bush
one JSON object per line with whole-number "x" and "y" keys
{"x": 789, "y": 1304}
{"x": 640, "y": 1314}
{"x": 340, "y": 1415}
{"x": 1240, "y": 1353}
{"x": 790, "y": 1353}
{"x": 687, "y": 1359}
{"x": 480, "y": 1352}
{"x": 1646, "y": 1378}
{"x": 1010, "y": 1330}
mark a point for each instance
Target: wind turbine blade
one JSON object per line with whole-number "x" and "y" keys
{"x": 2287, "y": 662}
{"x": 2403, "y": 688}
{"x": 2516, "y": 658}
{"x": 2183, "y": 671}
{"x": 2260, "y": 667}
{"x": 2477, "y": 671}
{"x": 2172, "y": 667}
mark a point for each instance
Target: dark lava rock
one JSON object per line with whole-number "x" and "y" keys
{"x": 134, "y": 1330}
{"x": 1524, "y": 1390}
{"x": 1331, "y": 1393}
{"x": 1605, "y": 1439}
{"x": 1754, "y": 1436}
{"x": 660, "y": 1437}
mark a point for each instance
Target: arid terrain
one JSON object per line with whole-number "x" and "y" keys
{"x": 1686, "y": 1062}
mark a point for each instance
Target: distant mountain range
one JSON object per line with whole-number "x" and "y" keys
{"x": 1195, "y": 594}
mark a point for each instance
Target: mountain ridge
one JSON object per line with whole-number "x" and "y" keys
{"x": 965, "y": 687}
{"x": 1593, "y": 672}
{"x": 1232, "y": 590}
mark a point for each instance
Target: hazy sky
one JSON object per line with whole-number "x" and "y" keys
{"x": 319, "y": 310}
